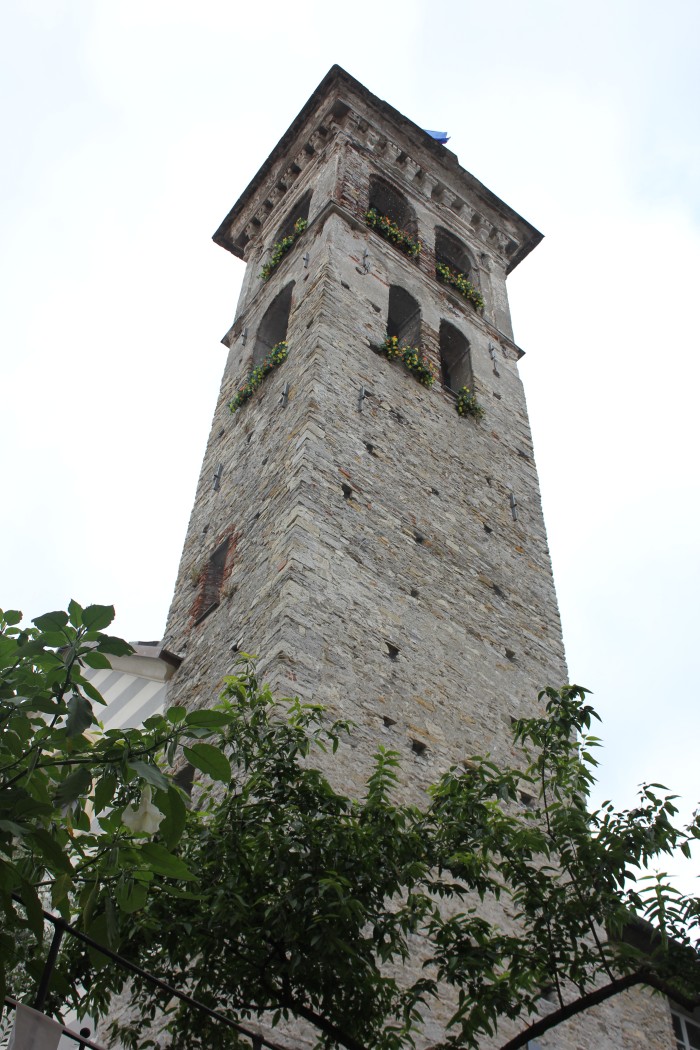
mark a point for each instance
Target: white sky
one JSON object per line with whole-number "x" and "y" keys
{"x": 130, "y": 128}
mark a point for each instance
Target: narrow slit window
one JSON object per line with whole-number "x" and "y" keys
{"x": 211, "y": 583}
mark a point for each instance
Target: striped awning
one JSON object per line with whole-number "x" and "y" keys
{"x": 134, "y": 687}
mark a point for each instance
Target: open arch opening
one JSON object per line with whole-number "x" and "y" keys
{"x": 403, "y": 320}
{"x": 387, "y": 200}
{"x": 455, "y": 358}
{"x": 449, "y": 251}
{"x": 299, "y": 211}
{"x": 273, "y": 326}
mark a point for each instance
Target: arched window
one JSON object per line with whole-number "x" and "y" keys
{"x": 391, "y": 202}
{"x": 299, "y": 211}
{"x": 455, "y": 359}
{"x": 404, "y": 317}
{"x": 451, "y": 252}
{"x": 273, "y": 326}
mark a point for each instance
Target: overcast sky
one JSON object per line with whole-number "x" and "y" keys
{"x": 130, "y": 128}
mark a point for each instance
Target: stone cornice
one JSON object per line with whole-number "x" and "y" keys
{"x": 337, "y": 95}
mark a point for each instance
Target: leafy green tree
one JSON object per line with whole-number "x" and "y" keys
{"x": 306, "y": 903}
{"x": 77, "y": 803}
{"x": 269, "y": 894}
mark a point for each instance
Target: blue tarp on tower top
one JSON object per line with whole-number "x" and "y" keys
{"x": 439, "y": 136}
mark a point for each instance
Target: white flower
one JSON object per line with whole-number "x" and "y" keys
{"x": 144, "y": 820}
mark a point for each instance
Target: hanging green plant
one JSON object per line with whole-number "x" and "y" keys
{"x": 412, "y": 359}
{"x": 276, "y": 356}
{"x": 280, "y": 249}
{"x": 467, "y": 405}
{"x": 388, "y": 229}
{"x": 460, "y": 283}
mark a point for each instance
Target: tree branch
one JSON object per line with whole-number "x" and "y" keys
{"x": 323, "y": 1025}
{"x": 585, "y": 1002}
{"x": 88, "y": 760}
{"x": 577, "y": 889}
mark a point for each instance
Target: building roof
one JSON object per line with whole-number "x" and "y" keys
{"x": 337, "y": 87}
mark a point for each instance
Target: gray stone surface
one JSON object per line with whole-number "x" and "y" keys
{"x": 355, "y": 526}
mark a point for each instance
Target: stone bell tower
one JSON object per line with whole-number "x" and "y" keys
{"x": 382, "y": 553}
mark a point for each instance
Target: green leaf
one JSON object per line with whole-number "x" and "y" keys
{"x": 112, "y": 925}
{"x": 17, "y": 803}
{"x": 53, "y": 852}
{"x": 53, "y": 621}
{"x": 12, "y": 828}
{"x": 172, "y": 804}
{"x": 94, "y": 694}
{"x": 9, "y": 876}
{"x": 156, "y": 722}
{"x": 208, "y": 719}
{"x": 56, "y": 639}
{"x": 104, "y": 791}
{"x": 32, "y": 904}
{"x": 12, "y": 744}
{"x": 12, "y": 617}
{"x": 132, "y": 897}
{"x": 8, "y": 651}
{"x": 29, "y": 647}
{"x": 150, "y": 773}
{"x": 97, "y": 617}
{"x": 75, "y": 612}
{"x": 98, "y": 661}
{"x": 180, "y": 894}
{"x": 21, "y": 725}
{"x": 98, "y": 930}
{"x": 161, "y": 861}
{"x": 60, "y": 890}
{"x": 76, "y": 784}
{"x": 80, "y": 716}
{"x": 176, "y": 714}
{"x": 210, "y": 760}
{"x": 114, "y": 646}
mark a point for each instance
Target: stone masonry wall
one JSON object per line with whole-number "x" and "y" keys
{"x": 376, "y": 564}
